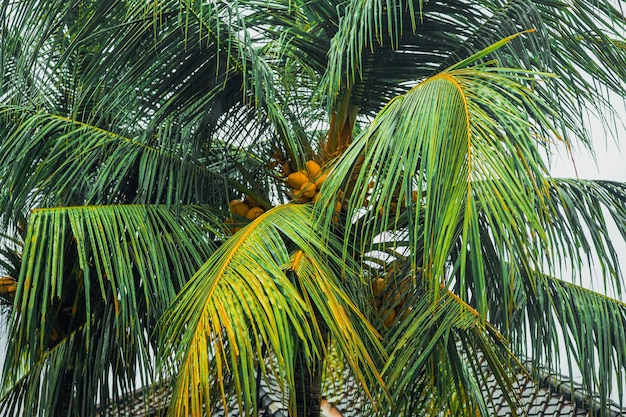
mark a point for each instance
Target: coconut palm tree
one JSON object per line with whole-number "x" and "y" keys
{"x": 221, "y": 191}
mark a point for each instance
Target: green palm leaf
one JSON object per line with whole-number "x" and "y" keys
{"x": 205, "y": 81}
{"x": 256, "y": 293}
{"x": 446, "y": 147}
{"x": 180, "y": 102}
{"x": 384, "y": 48}
{"x": 585, "y": 326}
{"x": 464, "y": 146}
{"x": 78, "y": 163}
{"x": 88, "y": 273}
{"x": 442, "y": 352}
{"x": 579, "y": 222}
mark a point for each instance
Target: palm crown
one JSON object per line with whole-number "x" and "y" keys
{"x": 396, "y": 214}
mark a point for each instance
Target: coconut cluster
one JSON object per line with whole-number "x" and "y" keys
{"x": 305, "y": 184}
{"x": 390, "y": 297}
{"x": 247, "y": 208}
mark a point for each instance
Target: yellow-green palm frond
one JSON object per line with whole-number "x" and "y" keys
{"x": 441, "y": 353}
{"x": 324, "y": 293}
{"x": 257, "y": 297}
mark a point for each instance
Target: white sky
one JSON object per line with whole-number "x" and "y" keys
{"x": 609, "y": 164}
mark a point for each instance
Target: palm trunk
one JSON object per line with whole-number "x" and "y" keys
{"x": 308, "y": 388}
{"x": 64, "y": 402}
{"x": 308, "y": 381}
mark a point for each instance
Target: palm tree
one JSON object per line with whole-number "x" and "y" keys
{"x": 395, "y": 212}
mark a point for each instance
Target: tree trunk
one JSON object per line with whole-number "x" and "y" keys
{"x": 308, "y": 381}
{"x": 308, "y": 388}
{"x": 64, "y": 402}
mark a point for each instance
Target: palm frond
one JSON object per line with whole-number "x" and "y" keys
{"x": 183, "y": 79}
{"x": 76, "y": 163}
{"x": 173, "y": 103}
{"x": 384, "y": 48}
{"x": 260, "y": 290}
{"x": 441, "y": 154}
{"x": 88, "y": 273}
{"x": 585, "y": 326}
{"x": 526, "y": 304}
{"x": 579, "y": 222}
{"x": 45, "y": 385}
{"x": 441, "y": 352}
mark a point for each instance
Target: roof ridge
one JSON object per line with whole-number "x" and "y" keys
{"x": 573, "y": 391}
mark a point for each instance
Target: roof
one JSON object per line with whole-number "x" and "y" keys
{"x": 553, "y": 396}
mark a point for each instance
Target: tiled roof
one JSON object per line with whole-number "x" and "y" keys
{"x": 149, "y": 401}
{"x": 554, "y": 396}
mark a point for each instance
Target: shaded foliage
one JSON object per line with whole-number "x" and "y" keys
{"x": 427, "y": 261}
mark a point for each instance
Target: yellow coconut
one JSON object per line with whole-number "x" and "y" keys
{"x": 234, "y": 203}
{"x": 299, "y": 198}
{"x": 391, "y": 317}
{"x": 251, "y": 202}
{"x": 8, "y": 286}
{"x": 316, "y": 197}
{"x": 378, "y": 286}
{"x": 308, "y": 190}
{"x": 254, "y": 212}
{"x": 313, "y": 169}
{"x": 320, "y": 180}
{"x": 240, "y": 209}
{"x": 54, "y": 335}
{"x": 297, "y": 179}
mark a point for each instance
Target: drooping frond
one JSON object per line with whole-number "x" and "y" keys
{"x": 183, "y": 79}
{"x": 251, "y": 301}
{"x": 383, "y": 48}
{"x": 585, "y": 326}
{"x": 562, "y": 319}
{"x": 584, "y": 221}
{"x": 92, "y": 284}
{"x": 72, "y": 163}
{"x": 450, "y": 175}
{"x": 441, "y": 353}
{"x": 324, "y": 292}
{"x": 178, "y": 102}
{"x": 438, "y": 156}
